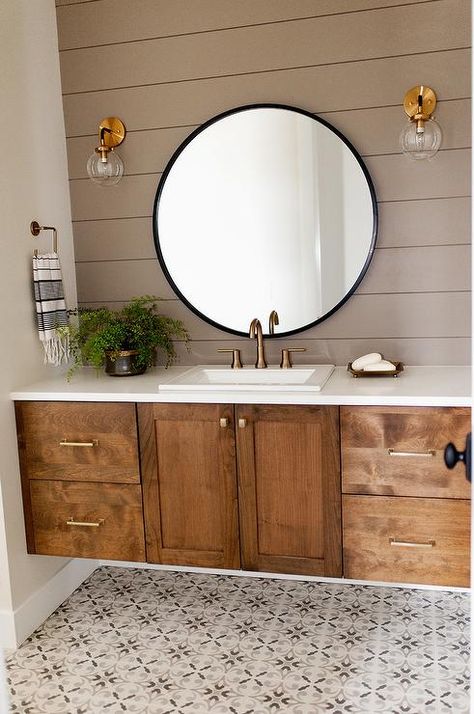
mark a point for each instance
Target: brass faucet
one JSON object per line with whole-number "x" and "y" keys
{"x": 272, "y": 321}
{"x": 255, "y": 330}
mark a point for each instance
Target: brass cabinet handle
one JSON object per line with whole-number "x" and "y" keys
{"x": 88, "y": 524}
{"x": 412, "y": 544}
{"x": 242, "y": 423}
{"x": 65, "y": 442}
{"x": 223, "y": 422}
{"x": 429, "y": 453}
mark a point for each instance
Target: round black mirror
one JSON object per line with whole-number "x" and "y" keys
{"x": 265, "y": 208}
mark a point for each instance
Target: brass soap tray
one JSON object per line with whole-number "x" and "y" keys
{"x": 389, "y": 373}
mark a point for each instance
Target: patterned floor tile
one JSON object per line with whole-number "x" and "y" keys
{"x": 155, "y": 642}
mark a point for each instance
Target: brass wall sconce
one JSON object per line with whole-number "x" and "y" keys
{"x": 105, "y": 166}
{"x": 421, "y": 137}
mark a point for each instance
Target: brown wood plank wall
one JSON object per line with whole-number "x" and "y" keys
{"x": 166, "y": 66}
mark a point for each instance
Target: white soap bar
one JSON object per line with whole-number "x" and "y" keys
{"x": 381, "y": 366}
{"x": 360, "y": 362}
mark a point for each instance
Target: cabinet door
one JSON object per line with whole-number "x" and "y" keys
{"x": 289, "y": 488}
{"x": 189, "y": 484}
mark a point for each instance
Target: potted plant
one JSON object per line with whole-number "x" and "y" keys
{"x": 124, "y": 341}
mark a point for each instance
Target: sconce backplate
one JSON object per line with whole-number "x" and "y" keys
{"x": 410, "y": 103}
{"x": 117, "y": 131}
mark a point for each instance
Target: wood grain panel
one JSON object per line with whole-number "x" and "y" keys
{"x": 416, "y": 351}
{"x": 190, "y": 489}
{"x": 413, "y": 315}
{"x": 443, "y": 221}
{"x": 448, "y": 174}
{"x": 341, "y": 38}
{"x": 118, "y": 508}
{"x": 288, "y": 465}
{"x": 367, "y": 434}
{"x": 370, "y": 522}
{"x": 120, "y": 21}
{"x": 283, "y": 501}
{"x": 365, "y": 84}
{"x": 398, "y": 270}
{"x": 372, "y": 131}
{"x": 42, "y": 425}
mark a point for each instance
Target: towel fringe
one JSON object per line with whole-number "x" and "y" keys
{"x": 56, "y": 349}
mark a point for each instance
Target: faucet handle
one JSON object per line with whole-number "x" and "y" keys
{"x": 236, "y": 362}
{"x": 285, "y": 356}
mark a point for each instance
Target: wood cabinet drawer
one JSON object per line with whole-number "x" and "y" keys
{"x": 78, "y": 441}
{"x": 116, "y": 508}
{"x": 399, "y": 451}
{"x": 407, "y": 540}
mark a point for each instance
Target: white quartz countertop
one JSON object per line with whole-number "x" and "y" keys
{"x": 448, "y": 386}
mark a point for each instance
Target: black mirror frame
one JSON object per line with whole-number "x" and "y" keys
{"x": 168, "y": 168}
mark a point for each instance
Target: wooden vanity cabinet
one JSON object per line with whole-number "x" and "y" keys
{"x": 289, "y": 489}
{"x": 406, "y": 517}
{"x": 81, "y": 479}
{"x": 189, "y": 484}
{"x": 287, "y": 459}
{"x": 256, "y": 487}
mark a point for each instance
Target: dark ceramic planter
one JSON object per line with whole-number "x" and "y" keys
{"x": 122, "y": 364}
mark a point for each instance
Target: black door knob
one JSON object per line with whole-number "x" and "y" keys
{"x": 452, "y": 456}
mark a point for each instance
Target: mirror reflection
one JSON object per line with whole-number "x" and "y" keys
{"x": 265, "y": 208}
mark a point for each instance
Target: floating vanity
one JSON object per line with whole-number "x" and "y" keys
{"x": 346, "y": 481}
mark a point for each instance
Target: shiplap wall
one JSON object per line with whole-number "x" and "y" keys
{"x": 166, "y": 66}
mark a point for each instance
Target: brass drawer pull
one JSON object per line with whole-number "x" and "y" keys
{"x": 412, "y": 544}
{"x": 223, "y": 422}
{"x": 429, "y": 453}
{"x": 65, "y": 442}
{"x": 88, "y": 524}
{"x": 242, "y": 423}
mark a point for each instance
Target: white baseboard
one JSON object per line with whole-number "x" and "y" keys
{"x": 7, "y": 630}
{"x": 278, "y": 576}
{"x": 16, "y": 626}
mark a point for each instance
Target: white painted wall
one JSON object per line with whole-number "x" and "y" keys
{"x": 33, "y": 185}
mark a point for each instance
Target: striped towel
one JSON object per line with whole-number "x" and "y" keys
{"x": 51, "y": 308}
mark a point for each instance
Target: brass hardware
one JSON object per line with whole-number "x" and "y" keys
{"x": 421, "y": 137}
{"x": 36, "y": 229}
{"x": 65, "y": 442}
{"x": 242, "y": 423}
{"x": 272, "y": 321}
{"x": 356, "y": 373}
{"x": 430, "y": 453}
{"x": 236, "y": 362}
{"x": 285, "y": 356}
{"x": 105, "y": 167}
{"x": 412, "y": 544}
{"x": 111, "y": 134}
{"x": 223, "y": 422}
{"x": 87, "y": 524}
{"x": 255, "y": 330}
{"x": 419, "y": 104}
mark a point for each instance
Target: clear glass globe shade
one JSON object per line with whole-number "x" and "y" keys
{"x": 105, "y": 173}
{"x": 421, "y": 145}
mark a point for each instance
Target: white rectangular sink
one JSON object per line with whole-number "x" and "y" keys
{"x": 208, "y": 378}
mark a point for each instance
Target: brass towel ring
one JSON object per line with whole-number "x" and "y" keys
{"x": 36, "y": 229}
